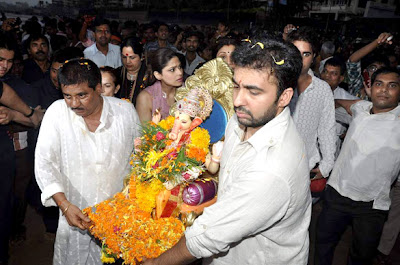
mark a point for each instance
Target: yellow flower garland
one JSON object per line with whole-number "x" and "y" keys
{"x": 146, "y": 194}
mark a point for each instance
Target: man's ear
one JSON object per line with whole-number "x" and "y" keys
{"x": 99, "y": 89}
{"x": 285, "y": 97}
{"x": 341, "y": 78}
{"x": 195, "y": 122}
{"x": 157, "y": 75}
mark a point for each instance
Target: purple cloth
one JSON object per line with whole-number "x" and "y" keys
{"x": 199, "y": 192}
{"x": 159, "y": 102}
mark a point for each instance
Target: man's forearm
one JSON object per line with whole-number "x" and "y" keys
{"x": 179, "y": 255}
{"x": 13, "y": 101}
{"x": 346, "y": 104}
{"x": 361, "y": 53}
{"x": 21, "y": 119}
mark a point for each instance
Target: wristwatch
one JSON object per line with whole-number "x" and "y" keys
{"x": 31, "y": 113}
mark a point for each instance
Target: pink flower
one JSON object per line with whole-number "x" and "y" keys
{"x": 160, "y": 136}
{"x": 186, "y": 176}
{"x": 172, "y": 155}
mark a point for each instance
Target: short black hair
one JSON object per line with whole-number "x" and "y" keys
{"x": 68, "y": 53}
{"x": 337, "y": 62}
{"x": 194, "y": 33}
{"x": 282, "y": 60}
{"x": 221, "y": 42}
{"x": 52, "y": 23}
{"x": 376, "y": 58}
{"x": 224, "y": 22}
{"x": 79, "y": 71}
{"x": 8, "y": 43}
{"x": 101, "y": 21}
{"x": 149, "y": 26}
{"x": 35, "y": 37}
{"x": 306, "y": 34}
{"x": 162, "y": 24}
{"x": 384, "y": 70}
{"x": 75, "y": 27}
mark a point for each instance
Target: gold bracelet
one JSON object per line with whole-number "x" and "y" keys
{"x": 216, "y": 160}
{"x": 66, "y": 209}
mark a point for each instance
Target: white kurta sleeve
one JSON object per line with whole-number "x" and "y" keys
{"x": 342, "y": 116}
{"x": 327, "y": 136}
{"x": 136, "y": 123}
{"x": 248, "y": 206}
{"x": 48, "y": 156}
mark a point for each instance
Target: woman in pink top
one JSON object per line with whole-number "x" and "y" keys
{"x": 168, "y": 76}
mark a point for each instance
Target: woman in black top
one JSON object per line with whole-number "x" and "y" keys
{"x": 133, "y": 72}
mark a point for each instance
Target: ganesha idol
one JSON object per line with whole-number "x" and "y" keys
{"x": 166, "y": 188}
{"x": 186, "y": 195}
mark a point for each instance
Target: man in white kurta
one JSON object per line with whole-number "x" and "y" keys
{"x": 87, "y": 166}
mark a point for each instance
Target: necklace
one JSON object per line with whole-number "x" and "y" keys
{"x": 164, "y": 95}
{"x": 130, "y": 77}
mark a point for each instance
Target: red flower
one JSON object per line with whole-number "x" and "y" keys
{"x": 116, "y": 229}
{"x": 155, "y": 165}
{"x": 160, "y": 136}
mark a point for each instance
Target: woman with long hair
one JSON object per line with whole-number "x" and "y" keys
{"x": 167, "y": 76}
{"x": 133, "y": 70}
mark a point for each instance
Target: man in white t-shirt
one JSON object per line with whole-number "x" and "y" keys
{"x": 357, "y": 192}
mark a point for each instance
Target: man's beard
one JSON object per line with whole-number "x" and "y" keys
{"x": 269, "y": 114}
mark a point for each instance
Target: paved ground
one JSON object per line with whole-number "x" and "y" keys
{"x": 37, "y": 249}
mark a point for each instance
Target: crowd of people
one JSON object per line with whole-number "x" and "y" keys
{"x": 309, "y": 112}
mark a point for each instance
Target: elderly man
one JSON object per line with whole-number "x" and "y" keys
{"x": 327, "y": 51}
{"x": 82, "y": 156}
{"x": 263, "y": 209}
{"x": 102, "y": 52}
